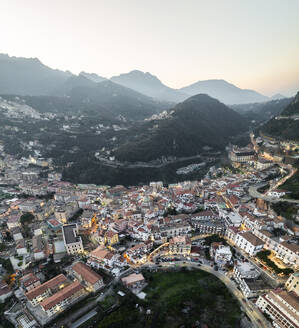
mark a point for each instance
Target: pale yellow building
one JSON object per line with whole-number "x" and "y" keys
{"x": 292, "y": 284}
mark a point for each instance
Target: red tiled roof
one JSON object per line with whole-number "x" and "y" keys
{"x": 54, "y": 282}
{"x": 63, "y": 294}
{"x": 86, "y": 273}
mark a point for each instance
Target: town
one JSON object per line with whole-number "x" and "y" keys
{"x": 65, "y": 246}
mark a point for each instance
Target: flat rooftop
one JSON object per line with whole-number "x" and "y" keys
{"x": 69, "y": 232}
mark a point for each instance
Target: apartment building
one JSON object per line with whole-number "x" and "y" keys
{"x": 249, "y": 279}
{"x": 176, "y": 229}
{"x": 29, "y": 282}
{"x": 89, "y": 277}
{"x": 180, "y": 245}
{"x": 41, "y": 292}
{"x": 292, "y": 284}
{"x": 73, "y": 242}
{"x": 250, "y": 243}
{"x": 209, "y": 226}
{"x": 59, "y": 301}
{"x": 282, "y": 307}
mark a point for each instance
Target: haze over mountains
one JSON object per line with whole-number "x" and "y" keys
{"x": 150, "y": 85}
{"x": 28, "y": 76}
{"x": 224, "y": 92}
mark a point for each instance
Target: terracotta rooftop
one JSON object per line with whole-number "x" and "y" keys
{"x": 54, "y": 282}
{"x": 29, "y": 279}
{"x": 63, "y": 294}
{"x": 86, "y": 272}
{"x": 4, "y": 288}
{"x": 251, "y": 238}
{"x": 132, "y": 278}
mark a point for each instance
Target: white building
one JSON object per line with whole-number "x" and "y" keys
{"x": 282, "y": 307}
{"x": 248, "y": 278}
{"x": 222, "y": 255}
{"x": 277, "y": 193}
{"x": 250, "y": 243}
{"x": 73, "y": 243}
{"x": 292, "y": 284}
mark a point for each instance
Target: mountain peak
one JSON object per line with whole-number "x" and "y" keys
{"x": 92, "y": 77}
{"x": 277, "y": 96}
{"x": 224, "y": 91}
{"x": 148, "y": 84}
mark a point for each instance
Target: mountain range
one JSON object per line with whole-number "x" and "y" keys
{"x": 28, "y": 76}
{"x": 261, "y": 112}
{"x": 224, "y": 92}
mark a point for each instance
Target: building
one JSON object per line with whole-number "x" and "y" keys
{"x": 59, "y": 301}
{"x": 36, "y": 295}
{"x": 221, "y": 253}
{"x": 21, "y": 247}
{"x": 138, "y": 253}
{"x": 176, "y": 229}
{"x": 13, "y": 222}
{"x": 282, "y": 307}
{"x": 134, "y": 281}
{"x": 249, "y": 280}
{"x": 241, "y": 155}
{"x": 209, "y": 226}
{"x": 54, "y": 224}
{"x": 277, "y": 193}
{"x": 86, "y": 275}
{"x": 39, "y": 247}
{"x": 285, "y": 250}
{"x": 5, "y": 291}
{"x": 101, "y": 258}
{"x": 180, "y": 245}
{"x": 29, "y": 282}
{"x": 250, "y": 243}
{"x": 73, "y": 243}
{"x": 292, "y": 284}
{"x": 111, "y": 237}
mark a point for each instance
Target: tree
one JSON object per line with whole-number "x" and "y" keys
{"x": 26, "y": 218}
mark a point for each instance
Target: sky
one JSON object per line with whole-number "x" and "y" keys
{"x": 253, "y": 44}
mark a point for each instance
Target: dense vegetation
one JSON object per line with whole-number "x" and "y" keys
{"x": 88, "y": 170}
{"x": 193, "y": 124}
{"x": 285, "y": 209}
{"x": 260, "y": 112}
{"x": 285, "y": 128}
{"x": 292, "y": 184}
{"x": 177, "y": 299}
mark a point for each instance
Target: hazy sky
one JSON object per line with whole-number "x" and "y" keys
{"x": 251, "y": 43}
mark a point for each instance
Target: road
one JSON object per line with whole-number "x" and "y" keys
{"x": 253, "y": 189}
{"x": 256, "y": 317}
{"x": 255, "y": 194}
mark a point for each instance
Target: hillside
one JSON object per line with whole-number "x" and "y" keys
{"x": 28, "y": 76}
{"x": 260, "y": 112}
{"x": 286, "y": 126}
{"x": 106, "y": 99}
{"x": 93, "y": 77}
{"x": 225, "y": 92}
{"x": 149, "y": 85}
{"x": 114, "y": 99}
{"x": 193, "y": 124}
